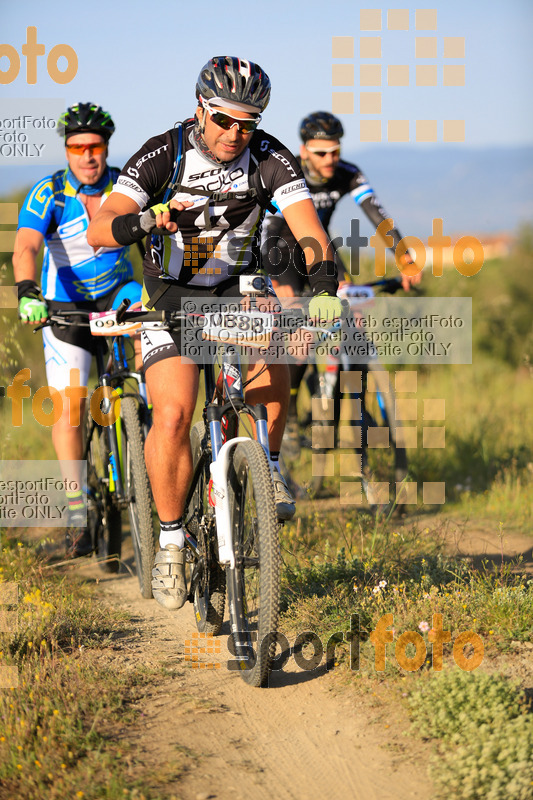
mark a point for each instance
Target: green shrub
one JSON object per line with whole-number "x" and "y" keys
{"x": 494, "y": 764}
{"x": 485, "y": 732}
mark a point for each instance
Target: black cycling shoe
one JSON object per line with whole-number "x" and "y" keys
{"x": 78, "y": 538}
{"x": 78, "y": 542}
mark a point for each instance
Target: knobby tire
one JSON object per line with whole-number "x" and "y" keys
{"x": 209, "y": 594}
{"x": 137, "y": 490}
{"x": 105, "y": 520}
{"x": 253, "y": 585}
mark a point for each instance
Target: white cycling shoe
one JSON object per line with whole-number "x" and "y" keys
{"x": 283, "y": 498}
{"x": 169, "y": 585}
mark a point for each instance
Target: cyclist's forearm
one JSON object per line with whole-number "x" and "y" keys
{"x": 99, "y": 232}
{"x": 24, "y": 266}
{"x": 376, "y": 214}
{"x": 25, "y": 252}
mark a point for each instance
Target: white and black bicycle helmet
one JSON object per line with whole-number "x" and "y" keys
{"x": 321, "y": 125}
{"x": 86, "y": 118}
{"x": 236, "y": 80}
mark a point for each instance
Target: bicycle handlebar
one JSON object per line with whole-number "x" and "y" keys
{"x": 63, "y": 318}
{"x": 123, "y": 307}
{"x": 389, "y": 285}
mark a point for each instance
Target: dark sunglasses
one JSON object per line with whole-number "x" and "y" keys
{"x": 227, "y": 122}
{"x": 335, "y": 151}
{"x": 79, "y": 149}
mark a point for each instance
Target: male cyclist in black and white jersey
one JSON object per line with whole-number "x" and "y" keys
{"x": 224, "y": 153}
{"x": 329, "y": 178}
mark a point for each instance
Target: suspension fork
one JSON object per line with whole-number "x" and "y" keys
{"x": 113, "y": 435}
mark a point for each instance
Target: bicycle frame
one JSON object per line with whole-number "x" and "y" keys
{"x": 213, "y": 413}
{"x": 112, "y": 374}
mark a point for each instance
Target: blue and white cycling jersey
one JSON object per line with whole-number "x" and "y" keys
{"x": 72, "y": 269}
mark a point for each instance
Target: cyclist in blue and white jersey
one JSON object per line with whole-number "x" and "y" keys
{"x": 56, "y": 213}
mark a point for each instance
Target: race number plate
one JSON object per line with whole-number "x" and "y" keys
{"x": 357, "y": 296}
{"x": 247, "y": 328}
{"x": 104, "y": 323}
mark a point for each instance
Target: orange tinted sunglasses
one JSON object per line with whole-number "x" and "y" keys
{"x": 79, "y": 149}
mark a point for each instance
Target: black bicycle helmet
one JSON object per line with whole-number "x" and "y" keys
{"x": 234, "y": 79}
{"x": 321, "y": 125}
{"x": 85, "y": 118}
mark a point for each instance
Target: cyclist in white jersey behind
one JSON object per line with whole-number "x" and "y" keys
{"x": 74, "y": 275}
{"x": 215, "y": 199}
{"x": 329, "y": 178}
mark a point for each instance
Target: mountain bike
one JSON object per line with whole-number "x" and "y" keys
{"x": 115, "y": 423}
{"x": 369, "y": 397}
{"x": 230, "y": 519}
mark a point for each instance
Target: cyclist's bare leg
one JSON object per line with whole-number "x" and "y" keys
{"x": 67, "y": 436}
{"x": 138, "y": 353}
{"x": 283, "y": 289}
{"x": 272, "y": 388}
{"x": 289, "y": 296}
{"x": 173, "y": 387}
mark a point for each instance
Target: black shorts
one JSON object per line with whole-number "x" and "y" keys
{"x": 158, "y": 345}
{"x": 286, "y": 266}
{"x": 82, "y": 337}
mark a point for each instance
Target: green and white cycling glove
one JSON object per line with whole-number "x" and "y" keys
{"x": 325, "y": 309}
{"x": 31, "y": 307}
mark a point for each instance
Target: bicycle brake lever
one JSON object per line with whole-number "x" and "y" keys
{"x": 41, "y": 325}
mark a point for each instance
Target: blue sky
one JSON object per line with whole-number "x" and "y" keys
{"x": 140, "y": 61}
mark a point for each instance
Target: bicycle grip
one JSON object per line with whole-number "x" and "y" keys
{"x": 123, "y": 307}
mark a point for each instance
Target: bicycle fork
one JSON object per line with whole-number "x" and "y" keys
{"x": 222, "y": 452}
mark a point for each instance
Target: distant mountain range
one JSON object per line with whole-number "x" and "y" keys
{"x": 473, "y": 190}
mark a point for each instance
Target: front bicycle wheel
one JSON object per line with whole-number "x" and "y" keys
{"x": 253, "y": 584}
{"x": 208, "y": 577}
{"x": 137, "y": 491}
{"x": 104, "y": 517}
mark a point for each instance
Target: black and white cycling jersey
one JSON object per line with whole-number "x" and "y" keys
{"x": 196, "y": 255}
{"x": 282, "y": 257}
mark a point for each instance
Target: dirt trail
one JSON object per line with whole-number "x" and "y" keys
{"x": 304, "y": 738}
{"x": 482, "y": 541}
{"x": 301, "y": 739}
